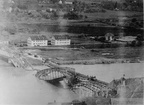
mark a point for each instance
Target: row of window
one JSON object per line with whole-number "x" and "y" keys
{"x": 45, "y": 43}
{"x": 39, "y": 43}
{"x": 62, "y": 42}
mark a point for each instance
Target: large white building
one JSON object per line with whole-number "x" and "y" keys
{"x": 60, "y": 40}
{"x": 4, "y": 42}
{"x": 37, "y": 41}
{"x": 70, "y": 2}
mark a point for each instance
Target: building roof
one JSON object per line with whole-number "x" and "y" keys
{"x": 42, "y": 37}
{"x": 109, "y": 34}
{"x": 61, "y": 37}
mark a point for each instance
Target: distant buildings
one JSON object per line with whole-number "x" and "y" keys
{"x": 60, "y": 2}
{"x": 69, "y": 2}
{"x": 60, "y": 40}
{"x": 109, "y": 37}
{"x": 37, "y": 41}
{"x": 43, "y": 1}
{"x": 57, "y": 40}
{"x": 51, "y": 9}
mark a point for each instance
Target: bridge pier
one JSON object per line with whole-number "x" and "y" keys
{"x": 91, "y": 90}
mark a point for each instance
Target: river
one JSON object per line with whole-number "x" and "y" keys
{"x": 21, "y": 87}
{"x": 108, "y": 72}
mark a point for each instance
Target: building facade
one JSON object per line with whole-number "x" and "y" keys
{"x": 37, "y": 41}
{"x": 2, "y": 42}
{"x": 68, "y": 2}
{"x": 60, "y": 40}
{"x": 109, "y": 37}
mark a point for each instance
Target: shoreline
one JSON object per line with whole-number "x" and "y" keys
{"x": 109, "y": 72}
{"x": 93, "y": 61}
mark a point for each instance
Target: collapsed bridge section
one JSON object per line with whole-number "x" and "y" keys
{"x": 94, "y": 87}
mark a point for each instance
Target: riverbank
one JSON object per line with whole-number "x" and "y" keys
{"x": 90, "y": 62}
{"x": 19, "y": 86}
{"x": 98, "y": 56}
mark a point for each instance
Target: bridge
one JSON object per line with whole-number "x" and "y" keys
{"x": 52, "y": 74}
{"x": 77, "y": 82}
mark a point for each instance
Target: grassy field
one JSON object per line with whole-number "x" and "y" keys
{"x": 113, "y": 14}
{"x": 132, "y": 54}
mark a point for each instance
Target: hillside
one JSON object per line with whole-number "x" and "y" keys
{"x": 134, "y": 87}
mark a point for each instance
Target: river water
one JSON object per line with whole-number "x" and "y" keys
{"x": 108, "y": 72}
{"x": 21, "y": 87}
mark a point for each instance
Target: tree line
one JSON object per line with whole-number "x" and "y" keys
{"x": 128, "y": 5}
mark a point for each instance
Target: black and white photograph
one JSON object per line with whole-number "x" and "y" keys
{"x": 71, "y": 52}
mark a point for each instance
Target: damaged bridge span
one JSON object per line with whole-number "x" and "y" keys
{"x": 75, "y": 80}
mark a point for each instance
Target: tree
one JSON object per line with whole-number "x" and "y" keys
{"x": 109, "y": 5}
{"x": 134, "y": 20}
{"x": 83, "y": 103}
{"x": 54, "y": 1}
{"x": 72, "y": 15}
{"x": 115, "y": 6}
{"x": 139, "y": 37}
{"x": 133, "y": 43}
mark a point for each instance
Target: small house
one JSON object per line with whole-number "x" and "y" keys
{"x": 37, "y": 41}
{"x": 60, "y": 40}
{"x": 4, "y": 42}
{"x": 109, "y": 37}
{"x": 60, "y": 2}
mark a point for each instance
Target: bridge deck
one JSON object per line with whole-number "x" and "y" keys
{"x": 70, "y": 72}
{"x": 56, "y": 74}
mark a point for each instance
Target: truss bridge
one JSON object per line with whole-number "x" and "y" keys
{"x": 57, "y": 73}
{"x": 77, "y": 81}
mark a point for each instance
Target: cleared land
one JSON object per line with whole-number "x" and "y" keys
{"x": 114, "y": 14}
